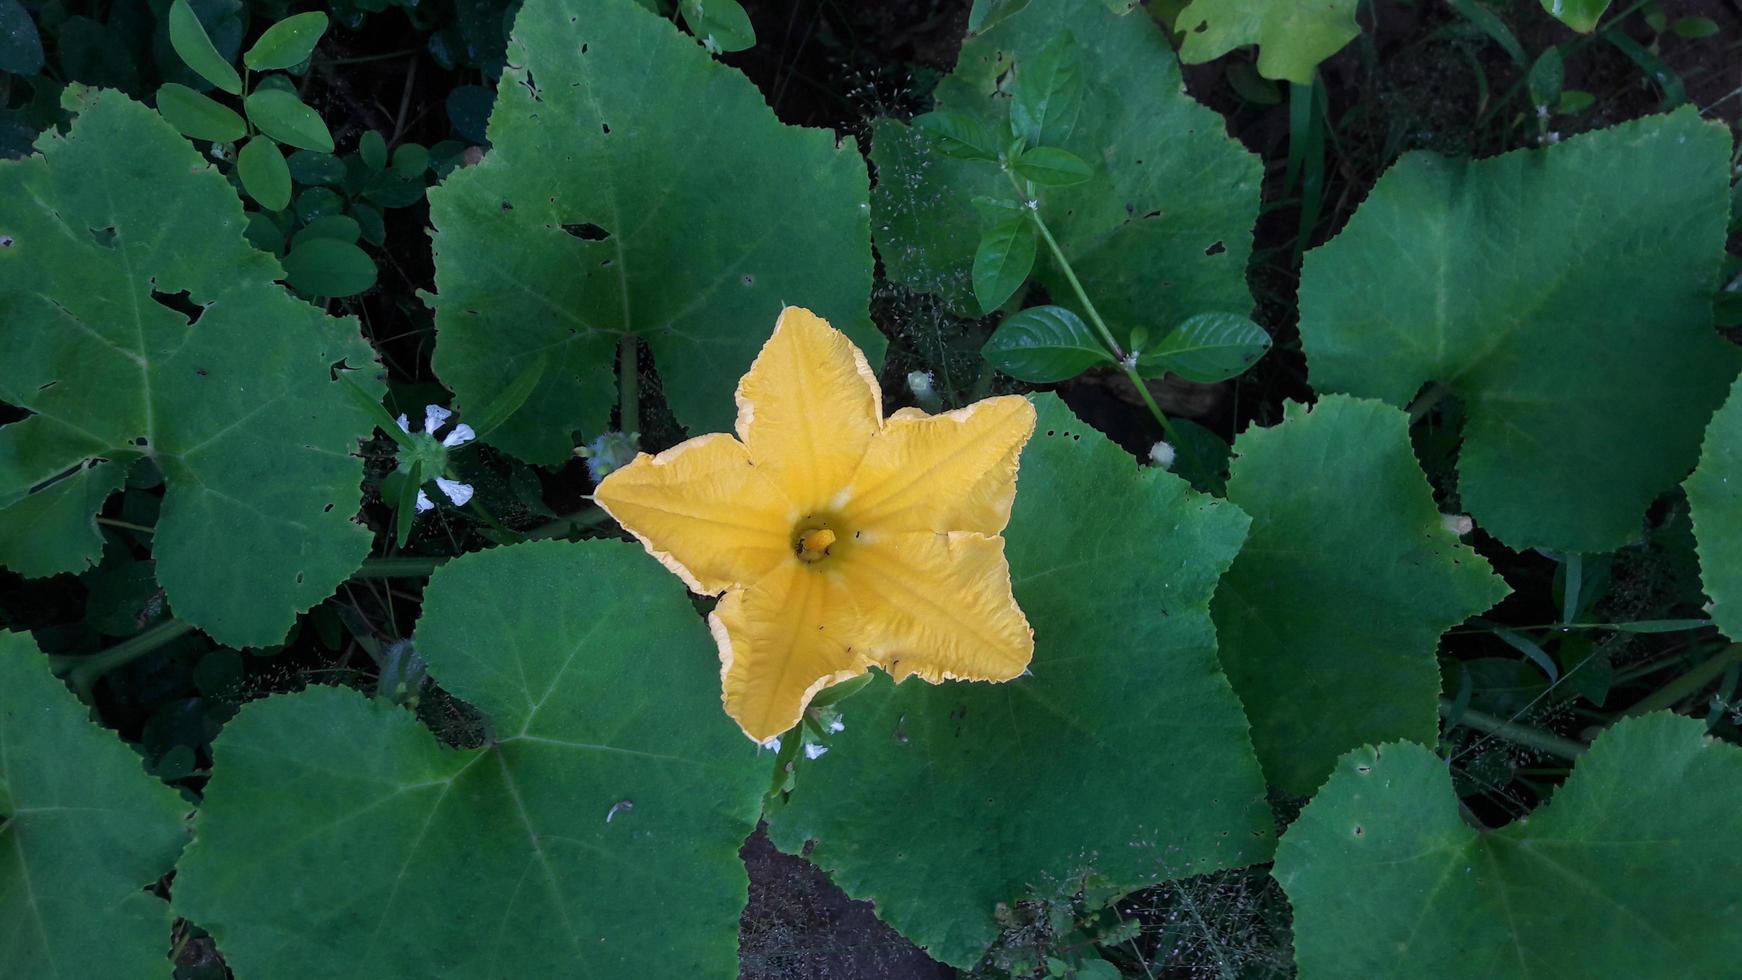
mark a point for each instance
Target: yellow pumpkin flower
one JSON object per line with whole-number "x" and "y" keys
{"x": 840, "y": 540}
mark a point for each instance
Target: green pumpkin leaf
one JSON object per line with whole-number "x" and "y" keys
{"x": 325, "y": 266}
{"x": 1003, "y": 261}
{"x": 1043, "y": 345}
{"x": 596, "y": 831}
{"x": 194, "y": 46}
{"x": 54, "y": 529}
{"x": 1292, "y": 37}
{"x": 1047, "y": 93}
{"x": 83, "y": 833}
{"x": 1123, "y": 750}
{"x": 154, "y": 331}
{"x": 198, "y": 117}
{"x": 265, "y": 175}
{"x": 635, "y": 185}
{"x": 1206, "y": 348}
{"x": 1050, "y": 166}
{"x": 1580, "y": 15}
{"x": 287, "y": 43}
{"x": 284, "y": 117}
{"x": 1330, "y": 617}
{"x": 722, "y": 25}
{"x": 1144, "y": 251}
{"x": 1715, "y": 504}
{"x": 1586, "y": 362}
{"x": 1631, "y": 870}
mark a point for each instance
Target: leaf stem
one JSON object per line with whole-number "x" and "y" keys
{"x": 126, "y": 525}
{"x": 1688, "y": 684}
{"x": 403, "y": 566}
{"x": 1126, "y": 364}
{"x": 628, "y": 385}
{"x": 1565, "y": 748}
{"x": 85, "y": 671}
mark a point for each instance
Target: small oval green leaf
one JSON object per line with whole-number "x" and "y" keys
{"x": 1052, "y": 167}
{"x": 265, "y": 175}
{"x": 1206, "y": 348}
{"x": 195, "y": 47}
{"x": 284, "y": 117}
{"x": 328, "y": 267}
{"x": 287, "y": 43}
{"x": 1044, "y": 344}
{"x": 373, "y": 148}
{"x": 410, "y": 160}
{"x": 1003, "y": 261}
{"x": 198, "y": 117}
{"x": 338, "y": 226}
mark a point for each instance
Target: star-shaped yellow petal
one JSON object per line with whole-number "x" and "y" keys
{"x": 841, "y": 541}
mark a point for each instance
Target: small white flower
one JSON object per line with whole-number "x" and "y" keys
{"x": 404, "y": 423}
{"x": 458, "y": 492}
{"x": 815, "y": 751}
{"x": 1458, "y": 524}
{"x": 1162, "y": 455}
{"x": 1129, "y": 360}
{"x": 461, "y": 435}
{"x": 837, "y": 726}
{"x": 773, "y": 743}
{"x": 433, "y": 417}
{"x": 423, "y": 502}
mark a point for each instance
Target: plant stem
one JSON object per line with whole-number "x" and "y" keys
{"x": 587, "y": 517}
{"x": 1125, "y": 363}
{"x": 628, "y": 385}
{"x": 398, "y": 567}
{"x": 84, "y": 671}
{"x": 1566, "y": 748}
{"x": 126, "y": 525}
{"x": 1688, "y": 684}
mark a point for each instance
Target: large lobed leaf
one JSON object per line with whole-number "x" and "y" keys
{"x": 1567, "y": 301}
{"x": 1634, "y": 869}
{"x": 84, "y": 831}
{"x": 1715, "y": 504}
{"x": 1330, "y": 616}
{"x": 1124, "y": 750}
{"x": 1161, "y": 231}
{"x": 691, "y": 214}
{"x": 1293, "y": 36}
{"x": 594, "y": 835}
{"x": 107, "y": 233}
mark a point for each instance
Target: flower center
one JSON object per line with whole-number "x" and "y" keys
{"x": 813, "y": 545}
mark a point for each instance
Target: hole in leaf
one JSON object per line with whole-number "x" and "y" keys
{"x": 1152, "y": 215}
{"x": 1216, "y": 249}
{"x": 506, "y": 206}
{"x": 587, "y": 232}
{"x": 606, "y": 127}
{"x": 104, "y": 236}
{"x": 6, "y": 241}
{"x": 181, "y": 303}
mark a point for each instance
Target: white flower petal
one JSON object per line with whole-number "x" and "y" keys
{"x": 815, "y": 751}
{"x": 423, "y": 502}
{"x": 773, "y": 743}
{"x": 458, "y": 492}
{"x": 837, "y": 726}
{"x": 433, "y": 417}
{"x": 461, "y": 435}
{"x": 404, "y": 423}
